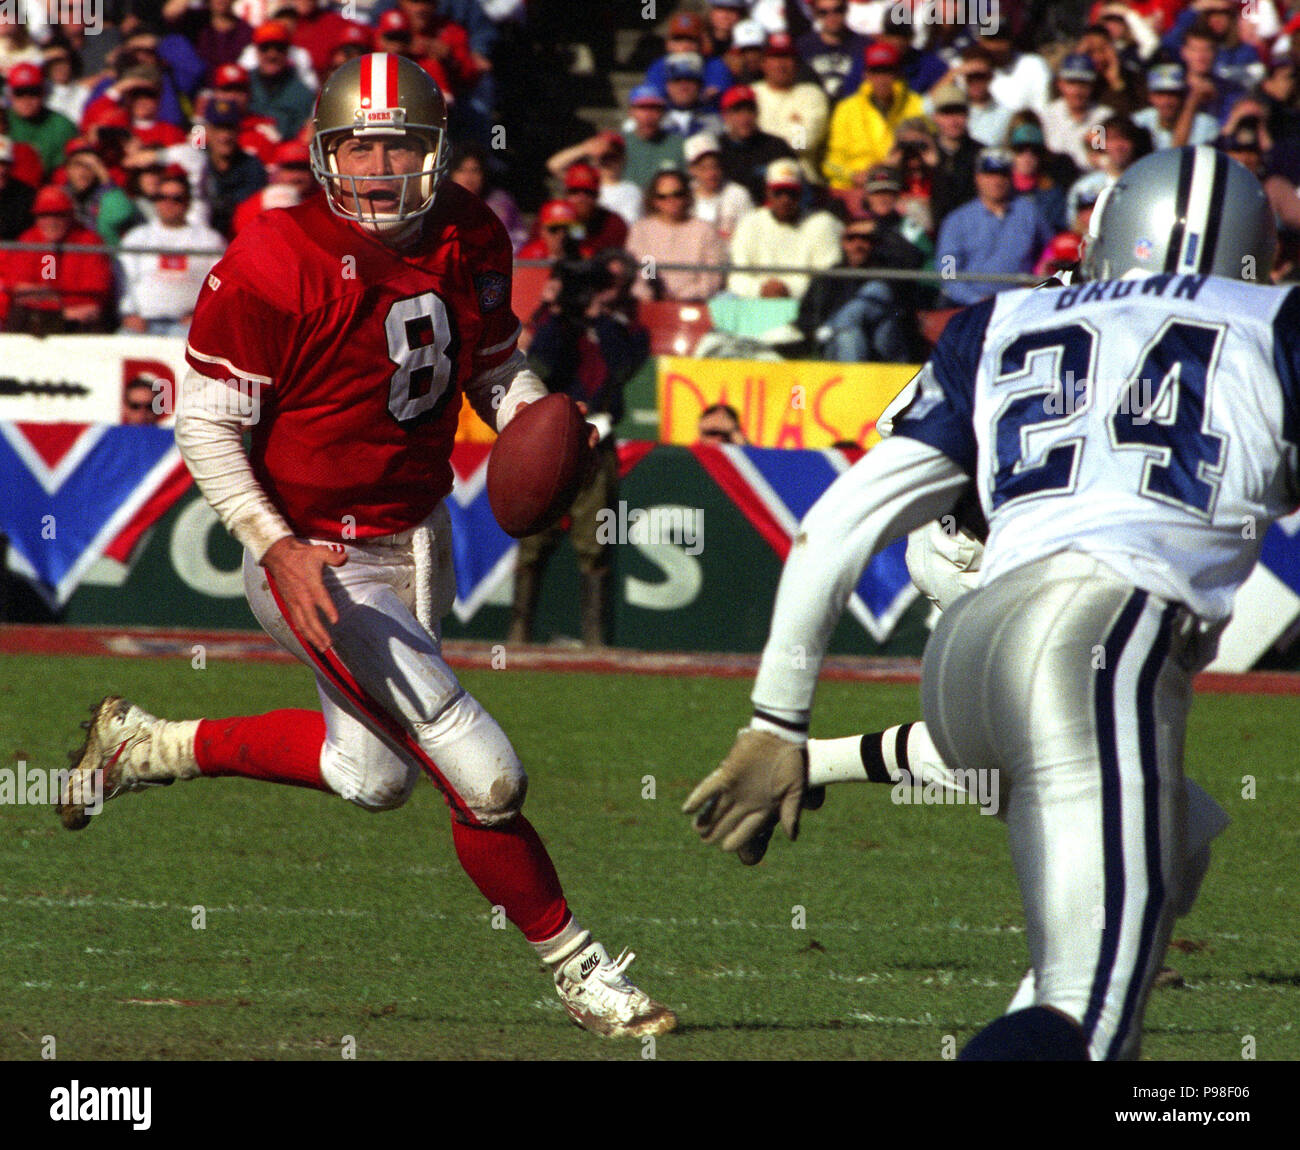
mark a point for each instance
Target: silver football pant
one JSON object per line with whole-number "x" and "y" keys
{"x": 1076, "y": 687}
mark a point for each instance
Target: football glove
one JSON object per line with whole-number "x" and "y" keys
{"x": 761, "y": 782}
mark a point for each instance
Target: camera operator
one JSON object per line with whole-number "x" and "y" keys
{"x": 588, "y": 347}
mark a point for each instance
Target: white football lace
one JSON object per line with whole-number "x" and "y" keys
{"x": 611, "y": 974}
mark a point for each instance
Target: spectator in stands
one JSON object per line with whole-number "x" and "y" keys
{"x": 588, "y": 353}
{"x": 1170, "y": 116}
{"x": 723, "y": 17}
{"x": 218, "y": 35}
{"x": 71, "y": 293}
{"x": 857, "y": 320}
{"x": 1280, "y": 94}
{"x": 744, "y": 58}
{"x": 173, "y": 56}
{"x": 1237, "y": 66}
{"x": 1119, "y": 84}
{"x": 15, "y": 196}
{"x": 915, "y": 156}
{"x": 900, "y": 242}
{"x": 1070, "y": 122}
{"x": 1246, "y": 144}
{"x": 318, "y": 29}
{"x": 997, "y": 232}
{"x": 469, "y": 168}
{"x": 98, "y": 202}
{"x": 862, "y": 125}
{"x": 598, "y": 228}
{"x": 1134, "y": 37}
{"x": 719, "y": 423}
{"x": 649, "y": 145}
{"x": 31, "y": 121}
{"x": 670, "y": 234}
{"x": 921, "y": 68}
{"x": 138, "y": 401}
{"x": 258, "y": 134}
{"x": 285, "y": 14}
{"x": 67, "y": 94}
{"x": 687, "y": 36}
{"x": 353, "y": 40}
{"x": 688, "y": 112}
{"x": 230, "y": 174}
{"x": 607, "y": 153}
{"x": 16, "y": 45}
{"x": 953, "y": 179}
{"x": 781, "y": 234}
{"x": 832, "y": 51}
{"x": 274, "y": 90}
{"x": 291, "y": 183}
{"x": 1031, "y": 176}
{"x": 159, "y": 288}
{"x": 718, "y": 201}
{"x": 1213, "y": 93}
{"x": 140, "y": 91}
{"x": 1062, "y": 254}
{"x": 746, "y": 150}
{"x": 1020, "y": 79}
{"x": 796, "y": 111}
{"x": 555, "y": 240}
{"x": 989, "y": 120}
{"x": 1123, "y": 144}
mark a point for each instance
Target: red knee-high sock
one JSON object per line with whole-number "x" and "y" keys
{"x": 510, "y": 866}
{"x": 280, "y": 747}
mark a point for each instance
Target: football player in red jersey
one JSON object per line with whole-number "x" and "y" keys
{"x": 357, "y": 321}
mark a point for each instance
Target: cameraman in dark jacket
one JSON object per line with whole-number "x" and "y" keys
{"x": 588, "y": 348}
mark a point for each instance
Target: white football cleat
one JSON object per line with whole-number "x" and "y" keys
{"x": 109, "y": 762}
{"x": 599, "y": 996}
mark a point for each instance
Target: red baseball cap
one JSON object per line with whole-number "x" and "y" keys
{"x": 291, "y": 152}
{"x": 25, "y": 75}
{"x": 740, "y": 94}
{"x": 581, "y": 177}
{"x": 882, "y": 55}
{"x": 779, "y": 44}
{"x": 1065, "y": 249}
{"x": 80, "y": 144}
{"x": 686, "y": 24}
{"x": 272, "y": 32}
{"x": 109, "y": 116}
{"x": 357, "y": 34}
{"x": 393, "y": 22}
{"x": 52, "y": 201}
{"x": 230, "y": 76}
{"x": 557, "y": 212}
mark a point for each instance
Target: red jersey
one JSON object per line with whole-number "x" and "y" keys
{"x": 360, "y": 353}
{"x": 69, "y": 279}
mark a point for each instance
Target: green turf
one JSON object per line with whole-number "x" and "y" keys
{"x": 324, "y": 922}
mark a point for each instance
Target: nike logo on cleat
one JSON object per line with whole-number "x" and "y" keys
{"x": 589, "y": 964}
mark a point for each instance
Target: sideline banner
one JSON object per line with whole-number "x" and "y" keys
{"x": 786, "y": 403}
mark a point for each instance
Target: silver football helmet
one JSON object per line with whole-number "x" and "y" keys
{"x": 380, "y": 95}
{"x": 1188, "y": 210}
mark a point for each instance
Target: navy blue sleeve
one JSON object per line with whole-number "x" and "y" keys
{"x": 942, "y": 411}
{"x": 1286, "y": 362}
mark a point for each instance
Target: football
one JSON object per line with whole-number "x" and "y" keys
{"x": 537, "y": 465}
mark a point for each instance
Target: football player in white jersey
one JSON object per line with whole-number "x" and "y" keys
{"x": 1128, "y": 438}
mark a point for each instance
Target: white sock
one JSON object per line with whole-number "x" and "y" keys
{"x": 559, "y": 948}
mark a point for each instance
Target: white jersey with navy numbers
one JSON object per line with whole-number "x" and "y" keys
{"x": 1151, "y": 423}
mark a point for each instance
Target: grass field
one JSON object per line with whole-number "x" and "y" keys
{"x": 323, "y": 921}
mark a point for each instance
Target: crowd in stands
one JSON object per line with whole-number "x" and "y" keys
{"x": 767, "y": 142}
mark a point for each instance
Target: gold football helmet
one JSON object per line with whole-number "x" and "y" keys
{"x": 380, "y": 95}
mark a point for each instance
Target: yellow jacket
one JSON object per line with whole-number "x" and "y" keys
{"x": 860, "y": 136}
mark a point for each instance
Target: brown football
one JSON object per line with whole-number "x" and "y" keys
{"x": 537, "y": 465}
